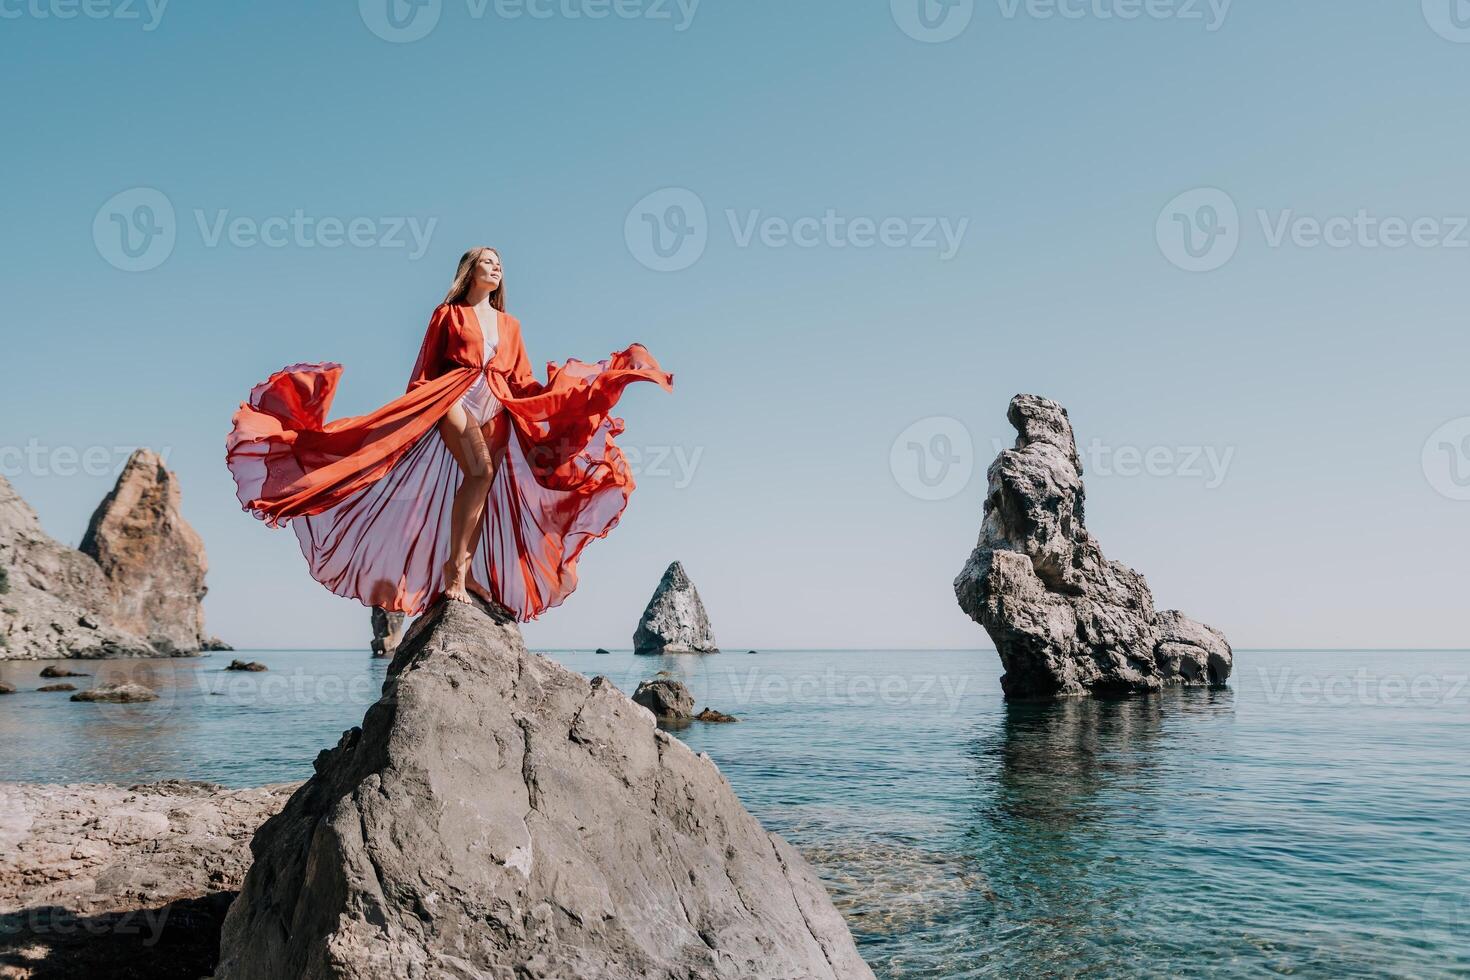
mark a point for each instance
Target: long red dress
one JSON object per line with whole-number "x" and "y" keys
{"x": 369, "y": 497}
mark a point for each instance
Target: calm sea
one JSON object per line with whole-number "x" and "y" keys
{"x": 1314, "y": 820}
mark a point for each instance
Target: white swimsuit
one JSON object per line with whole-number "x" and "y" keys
{"x": 479, "y": 402}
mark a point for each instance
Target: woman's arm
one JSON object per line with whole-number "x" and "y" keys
{"x": 430, "y": 363}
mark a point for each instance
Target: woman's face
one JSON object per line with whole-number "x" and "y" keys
{"x": 487, "y": 269}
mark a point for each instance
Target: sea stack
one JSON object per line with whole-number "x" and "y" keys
{"x": 498, "y": 814}
{"x": 675, "y": 620}
{"x": 133, "y": 589}
{"x": 1065, "y": 620}
{"x": 387, "y": 632}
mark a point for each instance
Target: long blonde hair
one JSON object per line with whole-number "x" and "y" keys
{"x": 465, "y": 277}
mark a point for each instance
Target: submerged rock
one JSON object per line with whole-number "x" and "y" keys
{"x": 498, "y": 815}
{"x": 387, "y": 632}
{"x": 675, "y": 620}
{"x": 710, "y": 714}
{"x": 53, "y": 671}
{"x": 56, "y": 688}
{"x": 117, "y": 694}
{"x": 668, "y": 700}
{"x": 1065, "y": 620}
{"x": 152, "y": 559}
{"x": 253, "y": 666}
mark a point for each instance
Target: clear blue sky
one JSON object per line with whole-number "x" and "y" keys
{"x": 1314, "y": 374}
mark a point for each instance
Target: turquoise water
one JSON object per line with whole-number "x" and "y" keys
{"x": 1310, "y": 821}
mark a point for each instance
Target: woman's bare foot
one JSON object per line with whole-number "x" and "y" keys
{"x": 454, "y": 576}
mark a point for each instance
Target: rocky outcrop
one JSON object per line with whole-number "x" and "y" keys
{"x": 711, "y": 715}
{"x": 668, "y": 700}
{"x": 133, "y": 590}
{"x": 250, "y": 666}
{"x": 498, "y": 815}
{"x": 152, "y": 559}
{"x": 387, "y": 632}
{"x": 116, "y": 694}
{"x": 1065, "y": 620}
{"x": 111, "y": 881}
{"x": 675, "y": 620}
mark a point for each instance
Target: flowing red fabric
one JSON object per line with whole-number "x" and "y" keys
{"x": 369, "y": 497}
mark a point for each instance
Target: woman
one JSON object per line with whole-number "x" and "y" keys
{"x": 478, "y": 476}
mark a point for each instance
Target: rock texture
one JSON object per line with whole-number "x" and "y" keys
{"x": 152, "y": 559}
{"x": 387, "y": 632}
{"x": 668, "y": 700}
{"x": 112, "y": 881}
{"x": 675, "y": 620}
{"x": 133, "y": 590}
{"x": 1065, "y": 620}
{"x": 116, "y": 694}
{"x": 498, "y": 815}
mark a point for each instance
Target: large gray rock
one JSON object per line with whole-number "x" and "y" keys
{"x": 675, "y": 620}
{"x": 55, "y": 598}
{"x": 1065, "y": 620}
{"x": 132, "y": 590}
{"x": 152, "y": 559}
{"x": 498, "y": 815}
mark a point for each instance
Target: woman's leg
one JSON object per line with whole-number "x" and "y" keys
{"x": 466, "y": 443}
{"x": 495, "y": 433}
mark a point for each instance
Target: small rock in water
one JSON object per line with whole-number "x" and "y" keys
{"x": 387, "y": 632}
{"x": 6, "y": 689}
{"x": 53, "y": 688}
{"x": 61, "y": 672}
{"x": 668, "y": 700}
{"x": 710, "y": 714}
{"x": 752, "y": 651}
{"x": 251, "y": 666}
{"x": 600, "y": 650}
{"x": 117, "y": 694}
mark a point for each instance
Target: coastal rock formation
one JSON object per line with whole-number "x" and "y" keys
{"x": 51, "y": 670}
{"x": 668, "y": 700}
{"x": 711, "y": 715}
{"x": 1065, "y": 620}
{"x": 152, "y": 559}
{"x": 101, "y": 880}
{"x": 252, "y": 666}
{"x": 387, "y": 632}
{"x": 133, "y": 591}
{"x": 500, "y": 815}
{"x": 675, "y": 620}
